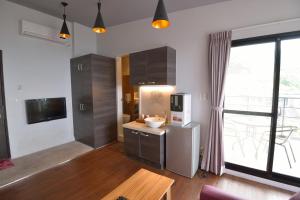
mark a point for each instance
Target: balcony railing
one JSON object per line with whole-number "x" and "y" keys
{"x": 288, "y": 108}
{"x": 247, "y": 137}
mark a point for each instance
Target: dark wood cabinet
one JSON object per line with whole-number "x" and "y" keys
{"x": 93, "y": 79}
{"x": 138, "y": 63}
{"x": 147, "y": 147}
{"x": 132, "y": 142}
{"x": 153, "y": 67}
{"x": 151, "y": 147}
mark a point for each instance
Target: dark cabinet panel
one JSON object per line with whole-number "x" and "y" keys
{"x": 132, "y": 142}
{"x": 138, "y": 64}
{"x": 93, "y": 80}
{"x": 150, "y": 147}
{"x": 147, "y": 147}
{"x": 104, "y": 99}
{"x": 105, "y": 134}
{"x": 171, "y": 66}
{"x": 81, "y": 98}
{"x": 153, "y": 67}
{"x": 157, "y": 66}
{"x": 4, "y": 139}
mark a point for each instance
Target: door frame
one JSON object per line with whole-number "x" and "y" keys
{"x": 268, "y": 174}
{"x": 4, "y": 106}
{"x": 119, "y": 92}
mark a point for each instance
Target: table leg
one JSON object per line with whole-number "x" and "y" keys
{"x": 168, "y": 194}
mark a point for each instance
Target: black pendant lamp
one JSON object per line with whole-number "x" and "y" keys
{"x": 160, "y": 19}
{"x": 99, "y": 26}
{"x": 64, "y": 33}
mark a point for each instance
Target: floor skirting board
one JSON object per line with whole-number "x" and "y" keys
{"x": 262, "y": 180}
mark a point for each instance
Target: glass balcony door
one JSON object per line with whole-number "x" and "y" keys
{"x": 287, "y": 141}
{"x": 248, "y": 105}
{"x": 262, "y": 108}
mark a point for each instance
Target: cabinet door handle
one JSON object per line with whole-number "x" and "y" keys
{"x": 141, "y": 83}
{"x": 79, "y": 67}
{"x": 134, "y": 132}
{"x": 81, "y": 107}
{"x": 152, "y": 82}
{"x": 1, "y": 112}
{"x": 145, "y": 135}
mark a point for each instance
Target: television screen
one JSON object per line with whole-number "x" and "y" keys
{"x": 39, "y": 110}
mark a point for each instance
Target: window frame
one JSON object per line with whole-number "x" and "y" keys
{"x": 268, "y": 174}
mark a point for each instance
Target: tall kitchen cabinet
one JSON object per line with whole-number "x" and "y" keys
{"x": 93, "y": 79}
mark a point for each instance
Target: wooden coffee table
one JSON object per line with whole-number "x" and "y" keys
{"x": 144, "y": 185}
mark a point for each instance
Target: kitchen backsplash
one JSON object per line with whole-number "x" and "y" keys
{"x": 155, "y": 100}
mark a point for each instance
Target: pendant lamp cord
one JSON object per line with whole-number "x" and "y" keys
{"x": 64, "y": 15}
{"x": 99, "y": 6}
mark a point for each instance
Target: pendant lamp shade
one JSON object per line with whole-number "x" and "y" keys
{"x": 64, "y": 32}
{"x": 99, "y": 26}
{"x": 160, "y": 19}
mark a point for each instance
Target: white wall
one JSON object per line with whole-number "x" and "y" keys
{"x": 35, "y": 68}
{"x": 188, "y": 34}
{"x": 84, "y": 40}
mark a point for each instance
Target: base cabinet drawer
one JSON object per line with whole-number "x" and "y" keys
{"x": 147, "y": 147}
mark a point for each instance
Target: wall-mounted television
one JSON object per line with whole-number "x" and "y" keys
{"x": 40, "y": 110}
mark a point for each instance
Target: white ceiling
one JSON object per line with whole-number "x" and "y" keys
{"x": 114, "y": 12}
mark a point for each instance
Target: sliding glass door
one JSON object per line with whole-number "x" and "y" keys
{"x": 248, "y": 104}
{"x": 287, "y": 141}
{"x": 262, "y": 107}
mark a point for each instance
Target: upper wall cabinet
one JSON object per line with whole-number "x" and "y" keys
{"x": 153, "y": 67}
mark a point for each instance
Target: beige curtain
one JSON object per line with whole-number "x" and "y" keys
{"x": 219, "y": 51}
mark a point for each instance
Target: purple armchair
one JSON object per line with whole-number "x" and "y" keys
{"x": 212, "y": 193}
{"x": 296, "y": 196}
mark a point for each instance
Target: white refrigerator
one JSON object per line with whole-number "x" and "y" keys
{"x": 183, "y": 149}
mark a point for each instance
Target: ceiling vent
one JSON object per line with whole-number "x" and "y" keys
{"x": 42, "y": 32}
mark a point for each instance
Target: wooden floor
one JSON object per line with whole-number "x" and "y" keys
{"x": 95, "y": 174}
{"x": 42, "y": 160}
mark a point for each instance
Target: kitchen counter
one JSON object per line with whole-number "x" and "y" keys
{"x": 144, "y": 128}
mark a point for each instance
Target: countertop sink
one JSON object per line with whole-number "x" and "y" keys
{"x": 154, "y": 122}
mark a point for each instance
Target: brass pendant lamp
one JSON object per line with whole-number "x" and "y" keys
{"x": 160, "y": 19}
{"x": 64, "y": 33}
{"x": 99, "y": 26}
